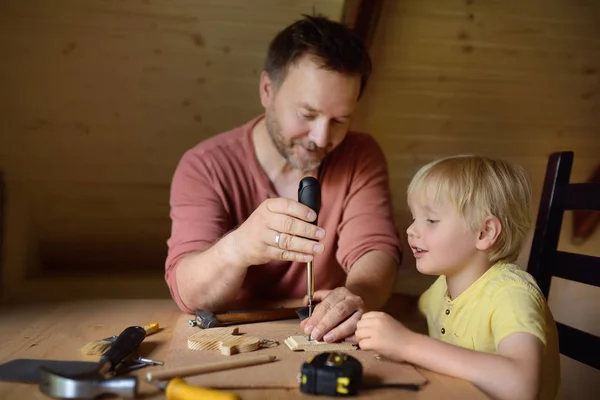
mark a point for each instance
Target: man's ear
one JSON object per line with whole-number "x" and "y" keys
{"x": 266, "y": 89}
{"x": 489, "y": 233}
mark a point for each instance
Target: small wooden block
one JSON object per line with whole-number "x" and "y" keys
{"x": 301, "y": 343}
{"x": 227, "y": 340}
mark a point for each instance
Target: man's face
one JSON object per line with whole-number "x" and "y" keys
{"x": 308, "y": 115}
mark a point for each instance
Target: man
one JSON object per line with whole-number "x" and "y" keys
{"x": 238, "y": 230}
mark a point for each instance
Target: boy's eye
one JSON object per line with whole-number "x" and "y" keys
{"x": 432, "y": 221}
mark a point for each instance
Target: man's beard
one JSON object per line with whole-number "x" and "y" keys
{"x": 287, "y": 151}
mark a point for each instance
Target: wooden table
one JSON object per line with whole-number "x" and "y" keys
{"x": 57, "y": 331}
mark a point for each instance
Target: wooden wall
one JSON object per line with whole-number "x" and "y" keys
{"x": 512, "y": 78}
{"x": 98, "y": 101}
{"x": 508, "y": 78}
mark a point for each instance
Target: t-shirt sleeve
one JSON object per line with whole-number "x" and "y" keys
{"x": 198, "y": 215}
{"x": 367, "y": 221}
{"x": 517, "y": 309}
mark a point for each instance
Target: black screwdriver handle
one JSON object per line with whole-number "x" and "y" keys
{"x": 128, "y": 341}
{"x": 309, "y": 194}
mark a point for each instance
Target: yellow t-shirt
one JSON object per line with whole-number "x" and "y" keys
{"x": 503, "y": 301}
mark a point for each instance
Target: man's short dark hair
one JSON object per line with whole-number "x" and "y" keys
{"x": 332, "y": 44}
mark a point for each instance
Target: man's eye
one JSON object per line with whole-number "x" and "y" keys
{"x": 307, "y": 116}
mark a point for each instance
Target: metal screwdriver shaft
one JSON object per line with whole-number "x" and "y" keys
{"x": 310, "y": 285}
{"x": 309, "y": 194}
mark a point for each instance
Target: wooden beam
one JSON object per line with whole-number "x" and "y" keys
{"x": 2, "y": 211}
{"x": 362, "y": 16}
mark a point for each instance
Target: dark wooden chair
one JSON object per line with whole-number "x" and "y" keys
{"x": 546, "y": 261}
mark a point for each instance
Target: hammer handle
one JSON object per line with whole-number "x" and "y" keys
{"x": 257, "y": 316}
{"x": 212, "y": 367}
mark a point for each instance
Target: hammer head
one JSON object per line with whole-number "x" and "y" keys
{"x": 206, "y": 319}
{"x": 85, "y": 386}
{"x": 89, "y": 385}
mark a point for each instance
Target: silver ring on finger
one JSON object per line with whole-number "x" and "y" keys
{"x": 277, "y": 238}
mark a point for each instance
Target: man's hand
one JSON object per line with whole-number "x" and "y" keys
{"x": 279, "y": 229}
{"x": 382, "y": 333}
{"x": 335, "y": 317}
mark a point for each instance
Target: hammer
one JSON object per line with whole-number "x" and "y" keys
{"x": 207, "y": 319}
{"x": 89, "y": 385}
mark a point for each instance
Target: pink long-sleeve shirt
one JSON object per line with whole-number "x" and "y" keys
{"x": 219, "y": 183}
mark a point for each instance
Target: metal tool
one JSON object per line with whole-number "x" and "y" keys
{"x": 148, "y": 361}
{"x": 89, "y": 385}
{"x": 207, "y": 319}
{"x": 137, "y": 363}
{"x": 309, "y": 194}
{"x": 178, "y": 389}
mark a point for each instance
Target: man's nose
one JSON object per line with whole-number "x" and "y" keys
{"x": 320, "y": 133}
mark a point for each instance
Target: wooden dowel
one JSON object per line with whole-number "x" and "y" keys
{"x": 212, "y": 367}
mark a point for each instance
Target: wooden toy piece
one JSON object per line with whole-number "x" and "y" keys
{"x": 301, "y": 343}
{"x": 228, "y": 340}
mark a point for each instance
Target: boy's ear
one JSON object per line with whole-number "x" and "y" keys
{"x": 489, "y": 233}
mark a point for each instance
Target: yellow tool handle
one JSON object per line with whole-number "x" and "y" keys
{"x": 151, "y": 328}
{"x": 178, "y": 389}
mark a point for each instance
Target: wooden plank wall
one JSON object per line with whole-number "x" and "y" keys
{"x": 510, "y": 78}
{"x": 98, "y": 101}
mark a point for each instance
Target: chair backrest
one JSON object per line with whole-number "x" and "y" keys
{"x": 546, "y": 261}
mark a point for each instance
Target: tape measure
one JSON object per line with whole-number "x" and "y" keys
{"x": 331, "y": 374}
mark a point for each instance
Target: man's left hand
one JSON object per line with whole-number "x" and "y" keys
{"x": 335, "y": 317}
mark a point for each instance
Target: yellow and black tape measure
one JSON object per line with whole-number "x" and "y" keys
{"x": 339, "y": 374}
{"x": 331, "y": 374}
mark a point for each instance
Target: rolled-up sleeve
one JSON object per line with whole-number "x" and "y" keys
{"x": 198, "y": 216}
{"x": 367, "y": 221}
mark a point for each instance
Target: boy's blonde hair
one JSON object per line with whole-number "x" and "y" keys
{"x": 480, "y": 187}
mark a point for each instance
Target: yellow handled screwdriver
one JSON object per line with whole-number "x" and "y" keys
{"x": 178, "y": 389}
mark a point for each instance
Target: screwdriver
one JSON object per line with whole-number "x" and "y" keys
{"x": 178, "y": 389}
{"x": 309, "y": 194}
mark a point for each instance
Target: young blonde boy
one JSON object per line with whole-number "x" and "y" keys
{"x": 488, "y": 321}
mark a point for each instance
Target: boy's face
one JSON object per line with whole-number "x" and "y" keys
{"x": 440, "y": 238}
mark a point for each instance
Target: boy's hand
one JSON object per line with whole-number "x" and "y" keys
{"x": 382, "y": 333}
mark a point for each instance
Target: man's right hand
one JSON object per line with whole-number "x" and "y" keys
{"x": 279, "y": 229}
